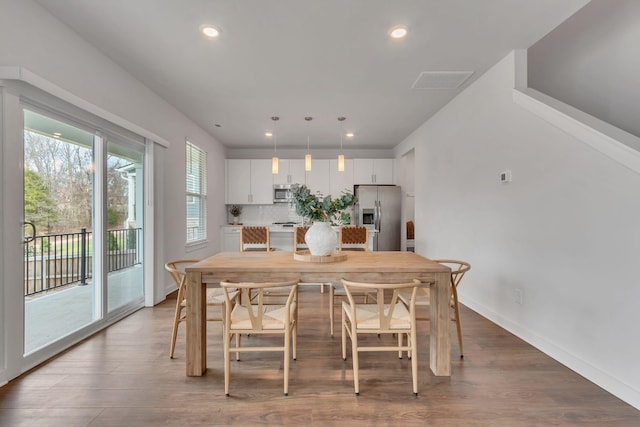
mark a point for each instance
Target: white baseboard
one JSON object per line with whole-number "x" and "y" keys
{"x": 604, "y": 380}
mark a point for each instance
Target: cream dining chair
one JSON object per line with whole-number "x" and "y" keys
{"x": 458, "y": 270}
{"x": 387, "y": 316}
{"x": 248, "y": 313}
{"x": 214, "y": 297}
{"x": 351, "y": 238}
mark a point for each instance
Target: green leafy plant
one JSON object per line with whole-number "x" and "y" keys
{"x": 39, "y": 206}
{"x": 318, "y": 208}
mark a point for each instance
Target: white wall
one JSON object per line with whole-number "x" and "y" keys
{"x": 564, "y": 232}
{"x": 33, "y": 39}
{"x": 591, "y": 62}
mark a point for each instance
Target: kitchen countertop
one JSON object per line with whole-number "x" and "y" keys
{"x": 272, "y": 228}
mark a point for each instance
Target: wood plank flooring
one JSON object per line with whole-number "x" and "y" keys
{"x": 123, "y": 377}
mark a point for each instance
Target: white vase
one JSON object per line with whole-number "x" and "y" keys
{"x": 321, "y": 239}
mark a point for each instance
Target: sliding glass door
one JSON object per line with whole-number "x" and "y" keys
{"x": 83, "y": 218}
{"x": 59, "y": 290}
{"x": 125, "y": 220}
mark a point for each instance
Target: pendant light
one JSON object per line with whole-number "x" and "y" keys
{"x": 274, "y": 159}
{"x": 341, "y": 155}
{"x": 307, "y": 157}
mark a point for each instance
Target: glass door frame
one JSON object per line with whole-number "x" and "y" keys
{"x": 120, "y": 148}
{"x": 14, "y": 98}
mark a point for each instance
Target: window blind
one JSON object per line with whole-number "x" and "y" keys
{"x": 196, "y": 193}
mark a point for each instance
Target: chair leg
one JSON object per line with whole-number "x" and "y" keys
{"x": 459, "y": 330}
{"x": 322, "y": 288}
{"x": 344, "y": 336}
{"x": 237, "y": 346}
{"x": 287, "y": 348}
{"x": 174, "y": 334}
{"x": 294, "y": 340}
{"x": 331, "y": 307}
{"x": 414, "y": 359}
{"x": 400, "y": 341}
{"x": 354, "y": 356}
{"x": 227, "y": 361}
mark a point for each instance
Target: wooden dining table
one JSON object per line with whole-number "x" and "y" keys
{"x": 280, "y": 266}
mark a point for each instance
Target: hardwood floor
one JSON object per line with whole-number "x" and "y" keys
{"x": 123, "y": 376}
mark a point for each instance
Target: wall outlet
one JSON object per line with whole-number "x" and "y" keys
{"x": 518, "y": 296}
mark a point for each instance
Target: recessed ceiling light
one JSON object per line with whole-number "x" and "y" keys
{"x": 398, "y": 32}
{"x": 349, "y": 135}
{"x": 210, "y": 31}
{"x": 268, "y": 134}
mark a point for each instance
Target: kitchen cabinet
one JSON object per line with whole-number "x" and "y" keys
{"x": 340, "y": 181}
{"x": 281, "y": 241}
{"x": 290, "y": 171}
{"x": 238, "y": 181}
{"x": 373, "y": 171}
{"x": 249, "y": 181}
{"x": 318, "y": 178}
{"x": 230, "y": 241}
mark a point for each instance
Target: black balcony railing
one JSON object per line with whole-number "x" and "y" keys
{"x": 58, "y": 260}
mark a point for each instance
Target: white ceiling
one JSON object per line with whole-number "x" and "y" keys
{"x": 297, "y": 58}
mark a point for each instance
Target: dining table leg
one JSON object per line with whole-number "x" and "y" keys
{"x": 196, "y": 340}
{"x": 440, "y": 338}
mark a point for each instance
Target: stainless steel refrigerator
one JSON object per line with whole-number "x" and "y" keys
{"x": 379, "y": 206}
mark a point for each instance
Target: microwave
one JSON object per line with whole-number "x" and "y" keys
{"x": 281, "y": 193}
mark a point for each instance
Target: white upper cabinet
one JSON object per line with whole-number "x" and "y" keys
{"x": 238, "y": 180}
{"x": 249, "y": 182}
{"x": 261, "y": 182}
{"x": 290, "y": 172}
{"x": 318, "y": 177}
{"x": 296, "y": 172}
{"x": 341, "y": 181}
{"x": 373, "y": 171}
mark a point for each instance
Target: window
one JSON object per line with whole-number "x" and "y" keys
{"x": 196, "y": 200}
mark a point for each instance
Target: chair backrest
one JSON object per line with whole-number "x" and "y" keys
{"x": 298, "y": 237}
{"x": 386, "y": 305}
{"x": 458, "y": 270}
{"x": 176, "y": 270}
{"x": 410, "y": 230}
{"x": 252, "y": 298}
{"x": 255, "y": 237}
{"x": 353, "y": 237}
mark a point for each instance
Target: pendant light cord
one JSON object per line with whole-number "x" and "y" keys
{"x": 275, "y": 133}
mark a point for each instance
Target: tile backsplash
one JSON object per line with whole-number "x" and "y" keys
{"x": 266, "y": 214}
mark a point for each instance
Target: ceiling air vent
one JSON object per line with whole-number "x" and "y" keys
{"x": 441, "y": 79}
